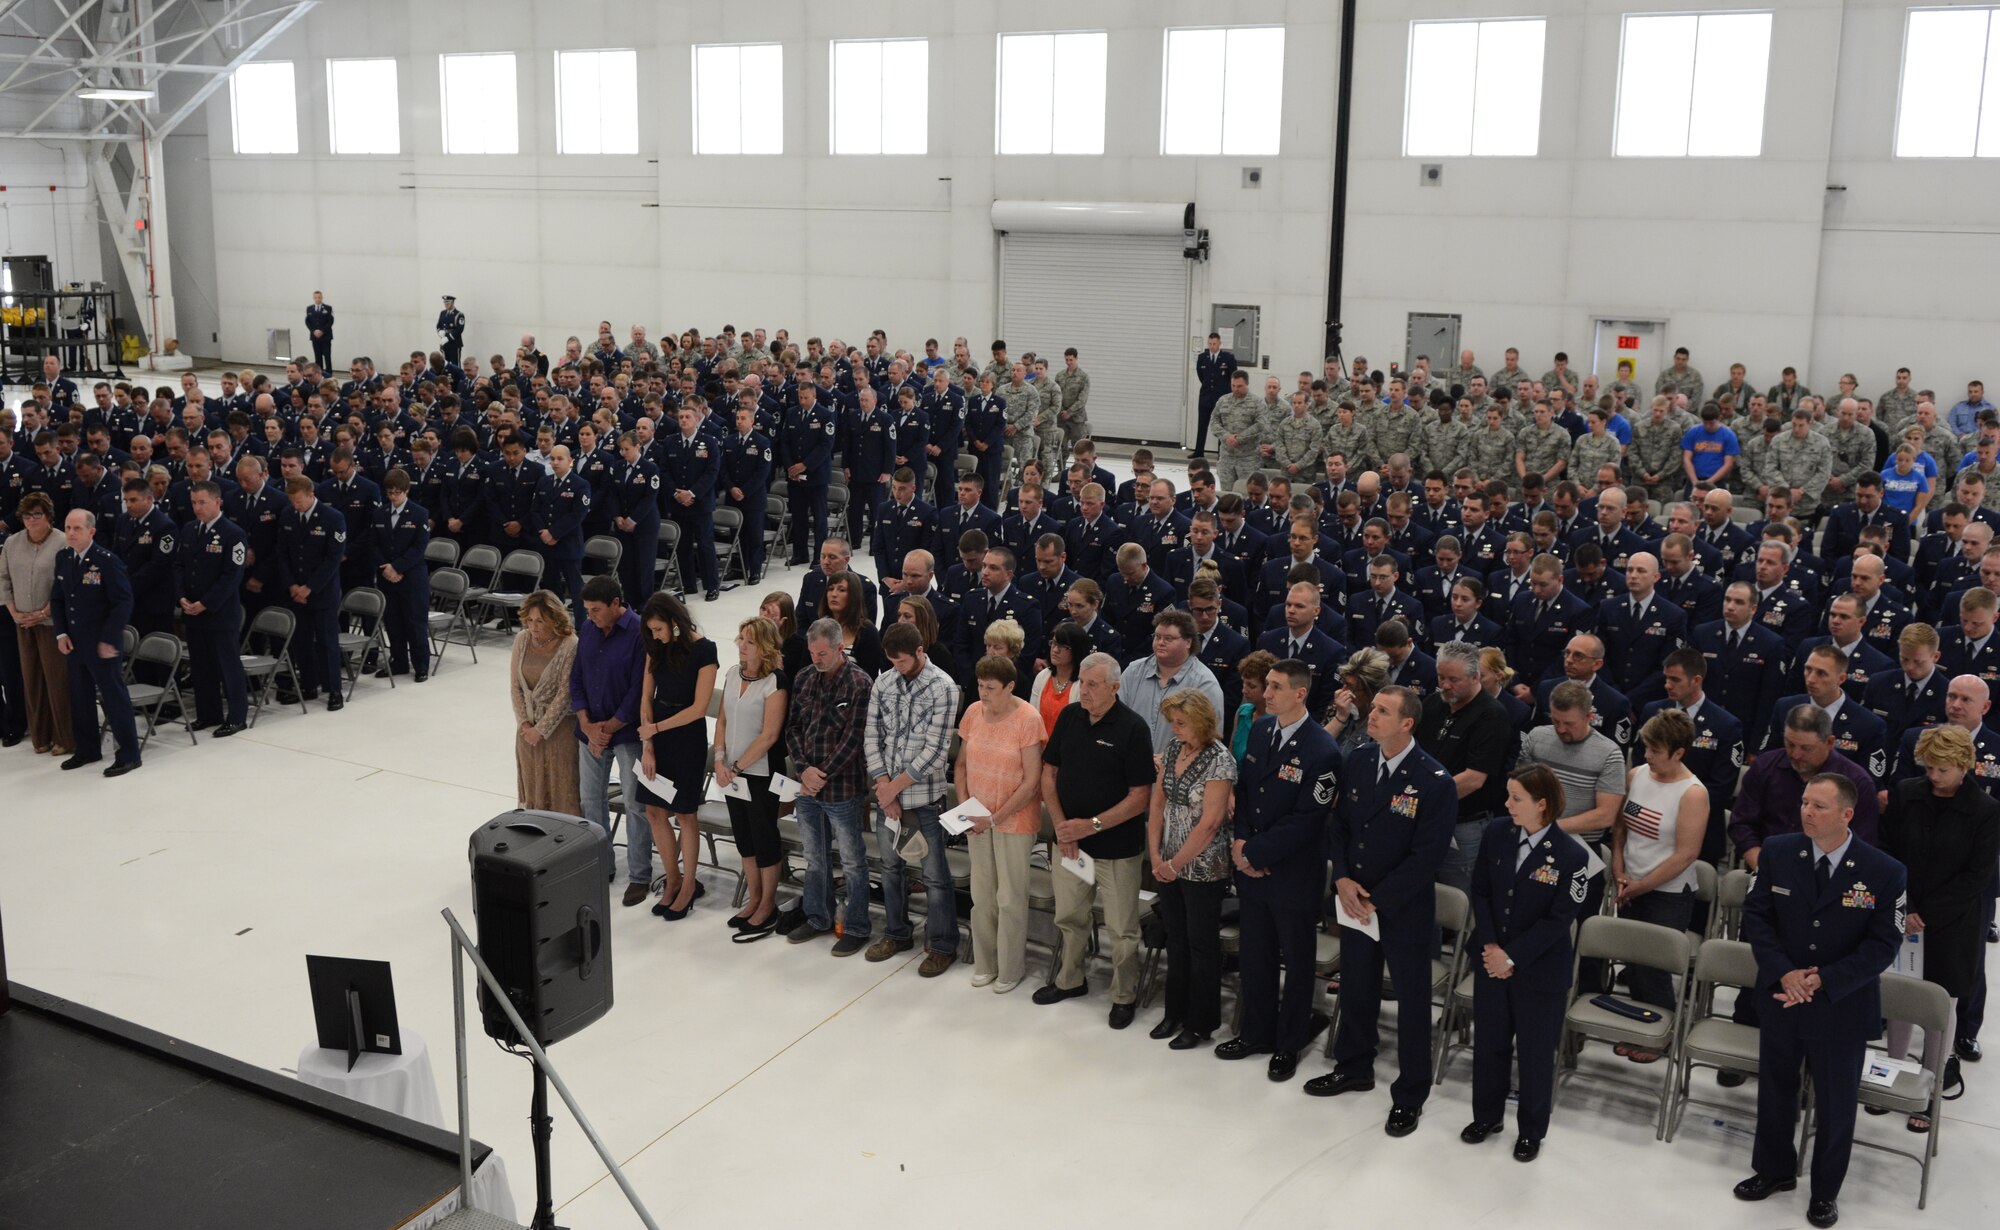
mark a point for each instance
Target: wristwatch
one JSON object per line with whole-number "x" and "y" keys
{"x": 1096, "y": 825}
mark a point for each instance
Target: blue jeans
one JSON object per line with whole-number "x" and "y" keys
{"x": 940, "y": 897}
{"x": 594, "y": 779}
{"x": 820, "y": 825}
{"x": 1456, "y": 870}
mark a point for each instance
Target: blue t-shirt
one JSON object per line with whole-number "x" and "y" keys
{"x": 1618, "y": 425}
{"x": 1710, "y": 449}
{"x": 1901, "y": 490}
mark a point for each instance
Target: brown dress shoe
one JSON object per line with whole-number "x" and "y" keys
{"x": 635, "y": 894}
{"x": 936, "y": 963}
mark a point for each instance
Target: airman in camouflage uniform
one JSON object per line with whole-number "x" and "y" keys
{"x": 1541, "y": 445}
{"x": 1236, "y": 414}
{"x": 1050, "y": 430}
{"x": 1024, "y": 416}
{"x": 1655, "y": 456}
{"x": 1351, "y": 440}
{"x": 1594, "y": 448}
{"x": 1899, "y": 405}
{"x": 1801, "y": 459}
{"x": 1295, "y": 444}
{"x": 1853, "y": 454}
{"x": 1755, "y": 468}
{"x": 1443, "y": 441}
{"x": 1397, "y": 429}
{"x": 1074, "y": 417}
{"x": 1490, "y": 449}
{"x": 1938, "y": 440}
{"x": 1682, "y": 377}
{"x": 1462, "y": 374}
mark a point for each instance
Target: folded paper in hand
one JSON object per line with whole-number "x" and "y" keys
{"x": 1083, "y": 867}
{"x": 784, "y": 787}
{"x": 717, "y": 792}
{"x": 1372, "y": 928}
{"x": 959, "y": 819}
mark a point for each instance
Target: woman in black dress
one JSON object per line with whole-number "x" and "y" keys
{"x": 846, "y": 604}
{"x": 1946, "y": 830}
{"x": 778, "y": 608}
{"x": 673, "y": 730}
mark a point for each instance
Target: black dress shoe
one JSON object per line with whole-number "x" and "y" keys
{"x": 309, "y": 694}
{"x": 422, "y": 676}
{"x": 200, "y": 725}
{"x": 121, "y": 767}
{"x": 711, "y": 595}
{"x": 1167, "y": 1028}
{"x": 1475, "y": 1133}
{"x": 1823, "y": 1213}
{"x": 1759, "y": 1187}
{"x": 1402, "y": 1120}
{"x": 335, "y": 703}
{"x": 1237, "y": 1048}
{"x": 79, "y": 760}
{"x": 1730, "y": 1080}
{"x": 382, "y": 672}
{"x": 1527, "y": 1149}
{"x": 1122, "y": 1014}
{"x": 10, "y": 740}
{"x": 1187, "y": 1040}
{"x": 1053, "y": 994}
{"x": 227, "y": 729}
{"x": 1283, "y": 1065}
{"x": 1333, "y": 1084}
{"x": 1968, "y": 1049}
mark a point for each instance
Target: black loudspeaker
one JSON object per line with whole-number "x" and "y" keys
{"x": 542, "y": 906}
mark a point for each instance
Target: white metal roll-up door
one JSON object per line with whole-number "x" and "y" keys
{"x": 1122, "y": 301}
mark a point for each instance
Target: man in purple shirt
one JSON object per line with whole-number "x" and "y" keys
{"x": 604, "y": 684}
{"x": 1768, "y": 802}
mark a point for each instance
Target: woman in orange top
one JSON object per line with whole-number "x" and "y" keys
{"x": 1001, "y": 766}
{"x": 1056, "y": 686}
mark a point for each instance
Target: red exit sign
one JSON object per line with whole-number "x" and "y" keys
{"x": 1627, "y": 342}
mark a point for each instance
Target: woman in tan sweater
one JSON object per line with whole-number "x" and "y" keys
{"x": 27, "y": 576}
{"x": 545, "y": 727}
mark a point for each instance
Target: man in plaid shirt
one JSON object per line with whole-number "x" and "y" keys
{"x": 824, "y": 737}
{"x": 910, "y": 712}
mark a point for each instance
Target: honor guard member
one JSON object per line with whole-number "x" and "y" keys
{"x": 555, "y": 520}
{"x": 451, "y": 330}
{"x": 356, "y": 497}
{"x": 319, "y": 328}
{"x": 986, "y": 434}
{"x": 208, "y": 567}
{"x": 1639, "y": 630}
{"x": 260, "y": 510}
{"x": 746, "y": 474}
{"x": 1543, "y": 619}
{"x": 510, "y": 496}
{"x": 1824, "y": 918}
{"x": 144, "y": 543}
{"x": 871, "y": 461}
{"x": 89, "y": 606}
{"x": 1913, "y": 696}
{"x": 1858, "y": 734}
{"x": 313, "y": 541}
{"x": 633, "y": 496}
{"x": 1391, "y": 827}
{"x": 807, "y": 447}
{"x": 1970, "y": 648}
{"x": 462, "y": 515}
{"x": 943, "y": 407}
{"x": 1717, "y": 756}
{"x": 1528, "y": 887}
{"x": 913, "y": 435}
{"x": 396, "y": 550}
{"x": 1213, "y": 368}
{"x": 693, "y": 470}
{"x": 1297, "y": 635}
{"x": 1290, "y": 775}
{"x": 903, "y": 523}
{"x": 1156, "y": 527}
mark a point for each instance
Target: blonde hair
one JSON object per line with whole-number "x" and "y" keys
{"x": 1495, "y": 660}
{"x": 544, "y": 603}
{"x": 1945, "y": 747}
{"x": 763, "y": 636}
{"x": 1197, "y": 710}
{"x": 1008, "y": 633}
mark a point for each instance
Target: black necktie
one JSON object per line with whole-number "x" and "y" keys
{"x": 1736, "y": 641}
{"x": 1383, "y": 780}
{"x": 1297, "y": 648}
{"x": 1823, "y": 872}
{"x": 1277, "y": 740}
{"x": 1910, "y": 691}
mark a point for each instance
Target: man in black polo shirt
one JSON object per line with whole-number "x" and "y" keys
{"x": 1468, "y": 733}
{"x": 1097, "y": 780}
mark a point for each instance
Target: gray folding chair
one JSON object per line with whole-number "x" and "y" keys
{"x": 1631, "y": 942}
{"x": 600, "y": 555}
{"x": 1726, "y": 919}
{"x": 1925, "y": 1005}
{"x": 1454, "y": 917}
{"x": 448, "y": 622}
{"x": 363, "y": 634}
{"x": 1709, "y": 1039}
{"x": 164, "y": 650}
{"x": 667, "y": 566}
{"x": 776, "y": 522}
{"x": 520, "y": 575}
{"x": 266, "y": 651}
{"x": 441, "y": 552}
{"x": 728, "y": 523}
{"x": 481, "y": 565}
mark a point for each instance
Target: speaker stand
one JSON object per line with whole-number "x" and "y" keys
{"x": 542, "y": 1127}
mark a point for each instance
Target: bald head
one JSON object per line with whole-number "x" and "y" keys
{"x": 1966, "y": 702}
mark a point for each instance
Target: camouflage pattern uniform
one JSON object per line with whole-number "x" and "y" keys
{"x": 1805, "y": 464}
{"x": 1853, "y": 456}
{"x": 1490, "y": 453}
{"x": 1754, "y": 464}
{"x": 1943, "y": 448}
{"x": 1656, "y": 449}
{"x": 1236, "y": 416}
{"x": 1462, "y": 376}
{"x": 1542, "y": 447}
{"x": 1591, "y": 451}
{"x": 1397, "y": 431}
{"x": 1689, "y": 382}
{"x": 1894, "y": 409}
{"x": 1356, "y": 443}
{"x": 1075, "y": 388}
{"x": 1024, "y": 413}
{"x": 1445, "y": 447}
{"x": 1296, "y": 442}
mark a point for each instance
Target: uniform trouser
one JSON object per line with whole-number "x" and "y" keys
{"x": 990, "y": 463}
{"x": 218, "y": 670}
{"x": 940, "y": 897}
{"x": 861, "y": 512}
{"x": 316, "y": 646}
{"x": 564, "y": 575}
{"x": 1591, "y": 972}
{"x": 13, "y": 693}
{"x": 807, "y": 503}
{"x": 91, "y": 679}
{"x": 451, "y": 352}
{"x": 1076, "y": 427}
{"x": 1116, "y": 882}
{"x": 1230, "y": 471}
{"x": 1192, "y": 910}
{"x": 409, "y": 623}
{"x": 354, "y": 574}
{"x": 1973, "y": 1015}
{"x": 1053, "y": 437}
{"x": 1000, "y": 903}
{"x": 638, "y": 550}
{"x": 323, "y": 353}
{"x": 1513, "y": 1024}
{"x": 44, "y": 686}
{"x": 1205, "y": 411}
{"x": 1406, "y": 949}
{"x": 945, "y": 493}
{"x": 750, "y": 541}
{"x": 697, "y": 549}
{"x": 1835, "y": 1067}
{"x": 1273, "y": 934}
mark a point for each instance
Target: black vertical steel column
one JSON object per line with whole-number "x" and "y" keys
{"x": 1337, "y": 250}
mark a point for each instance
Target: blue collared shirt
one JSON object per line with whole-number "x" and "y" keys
{"x": 607, "y": 675}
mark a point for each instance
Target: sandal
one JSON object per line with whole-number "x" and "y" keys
{"x": 1640, "y": 1054}
{"x": 1623, "y": 1050}
{"x": 1920, "y": 1123}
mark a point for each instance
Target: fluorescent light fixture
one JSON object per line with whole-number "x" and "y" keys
{"x": 115, "y": 94}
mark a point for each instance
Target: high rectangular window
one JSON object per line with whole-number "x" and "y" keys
{"x": 739, "y": 99}
{"x": 881, "y": 96}
{"x": 1950, "y": 104}
{"x": 1691, "y": 85}
{"x": 1051, "y": 93}
{"x": 264, "y": 108}
{"x": 1474, "y": 88}
{"x": 480, "y": 112}
{"x": 1223, "y": 90}
{"x": 597, "y": 101}
{"x": 361, "y": 107}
